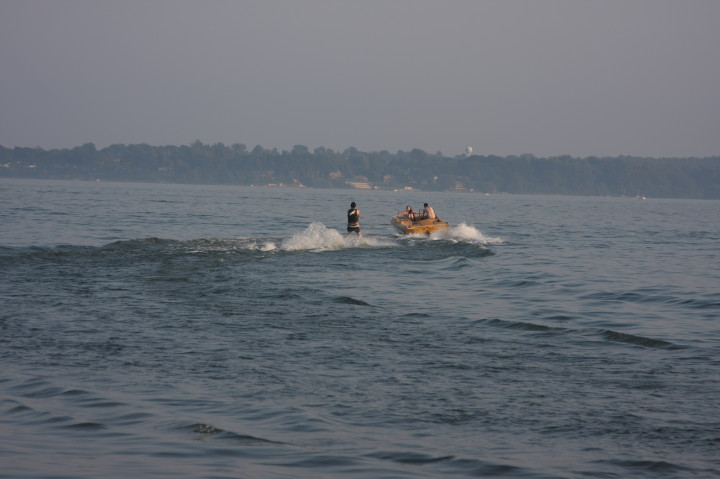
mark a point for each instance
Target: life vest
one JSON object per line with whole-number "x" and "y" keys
{"x": 353, "y": 217}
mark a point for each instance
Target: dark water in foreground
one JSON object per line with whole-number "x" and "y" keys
{"x": 219, "y": 332}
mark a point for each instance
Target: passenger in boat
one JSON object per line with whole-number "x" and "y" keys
{"x": 428, "y": 213}
{"x": 353, "y": 215}
{"x": 409, "y": 213}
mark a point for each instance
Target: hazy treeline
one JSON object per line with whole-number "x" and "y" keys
{"x": 322, "y": 167}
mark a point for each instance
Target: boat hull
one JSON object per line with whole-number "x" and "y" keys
{"x": 407, "y": 227}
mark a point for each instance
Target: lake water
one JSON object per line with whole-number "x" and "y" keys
{"x": 156, "y": 330}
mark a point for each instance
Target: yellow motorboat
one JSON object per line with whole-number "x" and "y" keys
{"x": 408, "y": 227}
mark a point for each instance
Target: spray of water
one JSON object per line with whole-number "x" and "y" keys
{"x": 465, "y": 233}
{"x": 318, "y": 237}
{"x": 267, "y": 246}
{"x": 315, "y": 237}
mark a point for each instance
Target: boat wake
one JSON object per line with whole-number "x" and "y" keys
{"x": 463, "y": 233}
{"x": 463, "y": 240}
{"x": 318, "y": 237}
{"x": 315, "y": 237}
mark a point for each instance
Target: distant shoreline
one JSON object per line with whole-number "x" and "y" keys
{"x": 692, "y": 178}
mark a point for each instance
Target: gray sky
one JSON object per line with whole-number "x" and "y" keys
{"x": 547, "y": 77}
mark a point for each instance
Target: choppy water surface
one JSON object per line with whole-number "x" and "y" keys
{"x": 199, "y": 331}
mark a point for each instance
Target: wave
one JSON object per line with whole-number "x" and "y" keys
{"x": 640, "y": 296}
{"x": 207, "y": 430}
{"x": 34, "y": 402}
{"x": 351, "y": 301}
{"x": 316, "y": 237}
{"x": 452, "y": 464}
{"x": 643, "y": 341}
{"x": 604, "y": 334}
{"x": 653, "y": 467}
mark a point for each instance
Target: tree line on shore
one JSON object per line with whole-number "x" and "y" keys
{"x": 325, "y": 168}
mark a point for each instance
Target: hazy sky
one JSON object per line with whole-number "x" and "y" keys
{"x": 547, "y": 77}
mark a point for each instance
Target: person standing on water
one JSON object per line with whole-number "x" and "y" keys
{"x": 353, "y": 220}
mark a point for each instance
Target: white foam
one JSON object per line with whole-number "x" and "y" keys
{"x": 268, "y": 246}
{"x": 465, "y": 233}
{"x": 375, "y": 241}
{"x": 315, "y": 237}
{"x": 318, "y": 237}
